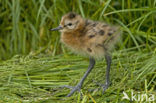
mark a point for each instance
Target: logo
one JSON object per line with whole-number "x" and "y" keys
{"x": 138, "y": 97}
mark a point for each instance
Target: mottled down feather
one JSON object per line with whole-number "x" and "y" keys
{"x": 90, "y": 38}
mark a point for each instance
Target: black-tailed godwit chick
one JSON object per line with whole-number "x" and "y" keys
{"x": 89, "y": 38}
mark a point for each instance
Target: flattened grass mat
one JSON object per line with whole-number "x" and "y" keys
{"x": 37, "y": 79}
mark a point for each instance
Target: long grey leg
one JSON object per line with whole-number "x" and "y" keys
{"x": 79, "y": 85}
{"x": 90, "y": 67}
{"x": 107, "y": 83}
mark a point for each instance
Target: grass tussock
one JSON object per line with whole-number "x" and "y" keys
{"x": 25, "y": 24}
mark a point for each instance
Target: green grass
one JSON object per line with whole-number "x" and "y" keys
{"x": 33, "y": 63}
{"x": 38, "y": 78}
{"x": 25, "y": 24}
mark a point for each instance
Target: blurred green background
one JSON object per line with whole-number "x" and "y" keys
{"x": 33, "y": 63}
{"x": 24, "y": 25}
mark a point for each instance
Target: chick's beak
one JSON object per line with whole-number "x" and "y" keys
{"x": 57, "y": 28}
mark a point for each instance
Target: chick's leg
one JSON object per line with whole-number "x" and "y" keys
{"x": 107, "y": 82}
{"x": 79, "y": 85}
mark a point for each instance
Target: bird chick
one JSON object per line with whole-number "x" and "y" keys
{"x": 89, "y": 38}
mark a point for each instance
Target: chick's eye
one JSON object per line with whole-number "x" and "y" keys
{"x": 70, "y": 24}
